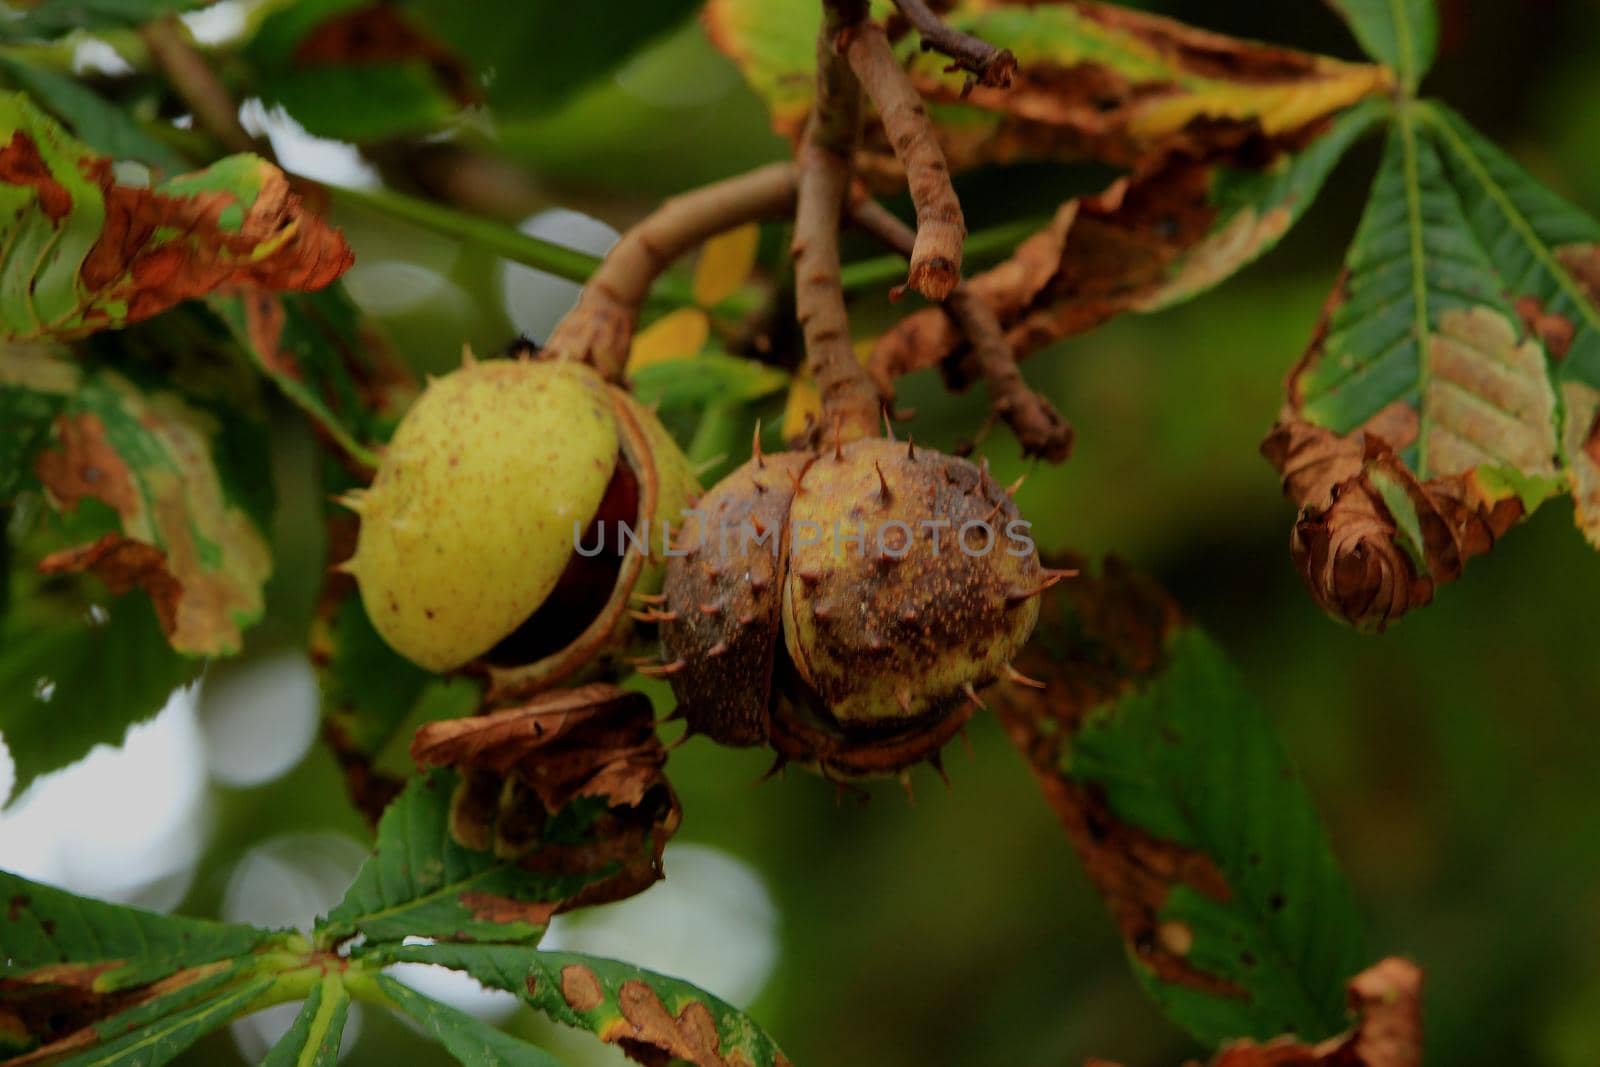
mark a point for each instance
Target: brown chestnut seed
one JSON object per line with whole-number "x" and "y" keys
{"x": 860, "y": 596}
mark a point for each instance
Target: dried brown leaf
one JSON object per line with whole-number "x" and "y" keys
{"x": 522, "y": 767}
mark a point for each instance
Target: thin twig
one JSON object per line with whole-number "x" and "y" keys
{"x": 197, "y": 85}
{"x": 936, "y": 259}
{"x": 849, "y": 399}
{"x": 599, "y": 330}
{"x": 1038, "y": 426}
{"x": 988, "y": 65}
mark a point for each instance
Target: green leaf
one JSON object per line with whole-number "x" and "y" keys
{"x": 84, "y": 973}
{"x": 1402, "y": 34}
{"x": 25, "y": 418}
{"x": 102, "y": 126}
{"x": 85, "y": 254}
{"x": 309, "y": 60}
{"x": 167, "y": 496}
{"x": 1176, "y": 86}
{"x": 1192, "y": 760}
{"x": 104, "y": 947}
{"x": 77, "y": 671}
{"x": 694, "y": 381}
{"x": 1461, "y": 355}
{"x": 1188, "y": 813}
{"x": 422, "y": 883}
{"x": 615, "y": 1001}
{"x": 1251, "y": 210}
{"x": 313, "y": 1040}
{"x": 594, "y": 39}
{"x": 52, "y": 18}
{"x": 317, "y": 350}
{"x": 471, "y": 1041}
{"x": 160, "y": 1031}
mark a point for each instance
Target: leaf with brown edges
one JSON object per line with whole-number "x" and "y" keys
{"x": 1186, "y": 812}
{"x": 589, "y": 752}
{"x": 1453, "y": 384}
{"x": 84, "y": 253}
{"x": 1165, "y": 233}
{"x": 145, "y": 500}
{"x": 1386, "y": 1000}
{"x": 1093, "y": 80}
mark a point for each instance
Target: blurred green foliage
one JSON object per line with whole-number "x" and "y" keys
{"x": 1453, "y": 757}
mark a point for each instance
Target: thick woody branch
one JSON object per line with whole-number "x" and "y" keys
{"x": 941, "y": 229}
{"x": 988, "y": 65}
{"x": 1039, "y": 427}
{"x": 850, "y": 402}
{"x": 599, "y": 331}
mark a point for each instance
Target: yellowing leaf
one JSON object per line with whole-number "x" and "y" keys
{"x": 1424, "y": 421}
{"x": 725, "y": 264}
{"x": 802, "y": 409}
{"x": 1092, "y": 80}
{"x": 678, "y": 333}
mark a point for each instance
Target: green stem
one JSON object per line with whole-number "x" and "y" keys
{"x": 563, "y": 262}
{"x": 576, "y": 266}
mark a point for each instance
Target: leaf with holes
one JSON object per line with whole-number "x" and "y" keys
{"x": 83, "y": 253}
{"x": 1187, "y": 813}
{"x": 1453, "y": 384}
{"x": 1093, "y": 80}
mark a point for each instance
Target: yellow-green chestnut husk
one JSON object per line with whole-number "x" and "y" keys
{"x": 467, "y": 552}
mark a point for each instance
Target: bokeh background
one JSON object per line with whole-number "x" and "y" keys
{"x": 1454, "y": 759}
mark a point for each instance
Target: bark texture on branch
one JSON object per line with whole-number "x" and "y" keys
{"x": 989, "y": 66}
{"x": 599, "y": 331}
{"x": 1039, "y": 428}
{"x": 850, "y": 401}
{"x": 941, "y": 228}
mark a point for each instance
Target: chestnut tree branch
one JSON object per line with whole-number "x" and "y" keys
{"x": 850, "y": 401}
{"x": 988, "y": 65}
{"x": 1039, "y": 427}
{"x": 941, "y": 229}
{"x": 599, "y": 331}
{"x": 197, "y": 85}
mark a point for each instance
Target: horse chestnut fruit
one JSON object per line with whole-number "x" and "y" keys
{"x": 468, "y": 533}
{"x": 844, "y": 606}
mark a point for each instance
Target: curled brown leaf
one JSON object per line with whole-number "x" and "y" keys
{"x": 1372, "y": 540}
{"x": 524, "y": 767}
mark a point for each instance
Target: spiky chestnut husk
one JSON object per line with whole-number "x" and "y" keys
{"x": 853, "y": 659}
{"x": 466, "y": 550}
